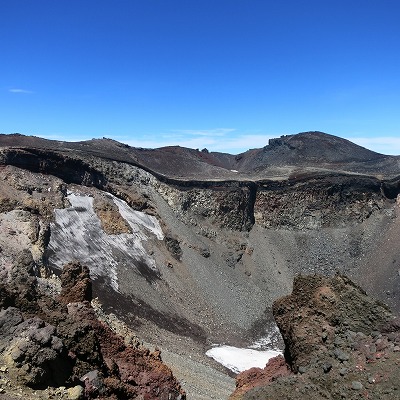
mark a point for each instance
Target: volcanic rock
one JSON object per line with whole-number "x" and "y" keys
{"x": 34, "y": 355}
{"x": 76, "y": 285}
{"x": 19, "y": 289}
{"x": 338, "y": 343}
{"x": 320, "y": 311}
{"x": 69, "y": 345}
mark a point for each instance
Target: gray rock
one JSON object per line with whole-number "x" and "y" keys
{"x": 33, "y": 352}
{"x": 205, "y": 253}
{"x": 372, "y": 348}
{"x": 302, "y": 369}
{"x": 341, "y": 355}
{"x": 10, "y": 318}
{"x": 355, "y": 385}
{"x": 93, "y": 379}
{"x": 327, "y": 366}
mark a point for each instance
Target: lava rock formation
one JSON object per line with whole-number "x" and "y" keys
{"x": 60, "y": 342}
{"x": 339, "y": 343}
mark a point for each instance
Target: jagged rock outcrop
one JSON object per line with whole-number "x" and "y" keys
{"x": 19, "y": 286}
{"x": 307, "y": 202}
{"x": 339, "y": 343}
{"x": 32, "y": 351}
{"x": 320, "y": 310}
{"x": 52, "y": 343}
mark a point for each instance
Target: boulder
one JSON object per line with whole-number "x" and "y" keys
{"x": 31, "y": 350}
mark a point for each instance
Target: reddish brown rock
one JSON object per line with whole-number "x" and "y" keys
{"x": 320, "y": 308}
{"x": 254, "y": 377}
{"x": 131, "y": 371}
{"x": 340, "y": 343}
{"x": 68, "y": 346}
{"x": 76, "y": 285}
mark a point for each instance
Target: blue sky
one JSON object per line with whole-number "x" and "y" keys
{"x": 222, "y": 74}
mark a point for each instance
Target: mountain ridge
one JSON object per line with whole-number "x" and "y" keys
{"x": 233, "y": 241}
{"x": 314, "y": 150}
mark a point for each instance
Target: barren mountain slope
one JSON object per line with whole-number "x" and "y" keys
{"x": 309, "y": 151}
{"x": 186, "y": 250}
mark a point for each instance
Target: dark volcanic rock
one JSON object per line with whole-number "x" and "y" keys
{"x": 339, "y": 344}
{"x": 173, "y": 247}
{"x": 317, "y": 202}
{"x": 20, "y": 289}
{"x": 66, "y": 346}
{"x": 33, "y": 352}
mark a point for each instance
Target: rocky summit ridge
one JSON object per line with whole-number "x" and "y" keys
{"x": 191, "y": 248}
{"x": 280, "y": 158}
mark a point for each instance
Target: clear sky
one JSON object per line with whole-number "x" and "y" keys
{"x": 222, "y": 74}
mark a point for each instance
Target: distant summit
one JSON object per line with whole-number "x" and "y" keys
{"x": 322, "y": 146}
{"x": 315, "y": 149}
{"x": 309, "y": 150}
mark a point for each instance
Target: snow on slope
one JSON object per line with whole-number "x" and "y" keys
{"x": 257, "y": 355}
{"x": 77, "y": 234}
{"x": 238, "y": 360}
{"x": 137, "y": 220}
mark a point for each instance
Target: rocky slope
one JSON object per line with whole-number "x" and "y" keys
{"x": 58, "y": 341}
{"x": 339, "y": 343}
{"x": 191, "y": 247}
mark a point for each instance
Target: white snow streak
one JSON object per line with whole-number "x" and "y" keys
{"x": 137, "y": 219}
{"x": 77, "y": 234}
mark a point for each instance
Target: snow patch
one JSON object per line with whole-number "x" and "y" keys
{"x": 257, "y": 355}
{"x": 238, "y": 360}
{"x": 138, "y": 220}
{"x": 269, "y": 341}
{"x": 77, "y": 234}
